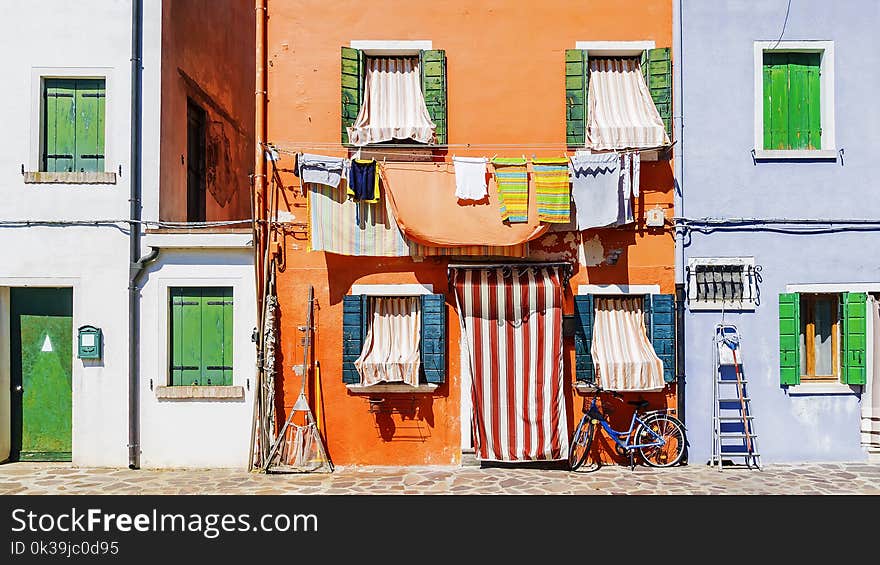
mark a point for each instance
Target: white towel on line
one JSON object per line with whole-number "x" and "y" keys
{"x": 470, "y": 177}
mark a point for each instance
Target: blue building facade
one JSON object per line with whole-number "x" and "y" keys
{"x": 778, "y": 219}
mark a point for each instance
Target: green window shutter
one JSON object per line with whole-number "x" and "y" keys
{"x": 789, "y": 338}
{"x": 576, "y": 84}
{"x": 90, "y": 96}
{"x": 352, "y": 87}
{"x": 59, "y": 125}
{"x": 803, "y": 101}
{"x": 657, "y": 70}
{"x": 433, "y": 338}
{"x": 433, "y": 69}
{"x": 776, "y": 101}
{"x": 660, "y": 312}
{"x": 186, "y": 336}
{"x": 583, "y": 338}
{"x": 216, "y": 330}
{"x": 854, "y": 338}
{"x": 354, "y": 320}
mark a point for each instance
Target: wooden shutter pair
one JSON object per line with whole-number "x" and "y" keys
{"x": 660, "y": 323}
{"x": 792, "y": 112}
{"x": 432, "y": 65}
{"x": 355, "y": 317}
{"x": 656, "y": 70}
{"x": 201, "y": 336}
{"x": 853, "y": 346}
{"x": 73, "y": 125}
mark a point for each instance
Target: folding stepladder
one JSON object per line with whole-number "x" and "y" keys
{"x": 733, "y": 424}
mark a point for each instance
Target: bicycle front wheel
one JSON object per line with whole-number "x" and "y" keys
{"x": 670, "y": 431}
{"x": 581, "y": 440}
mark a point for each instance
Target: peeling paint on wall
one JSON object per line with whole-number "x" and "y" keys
{"x": 592, "y": 253}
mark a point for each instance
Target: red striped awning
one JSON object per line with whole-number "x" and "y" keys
{"x": 512, "y": 323}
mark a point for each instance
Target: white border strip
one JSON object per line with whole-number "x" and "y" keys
{"x": 381, "y": 47}
{"x": 618, "y": 289}
{"x": 614, "y": 48}
{"x": 833, "y": 287}
{"x": 391, "y": 289}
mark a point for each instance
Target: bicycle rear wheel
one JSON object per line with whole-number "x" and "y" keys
{"x": 581, "y": 440}
{"x": 670, "y": 431}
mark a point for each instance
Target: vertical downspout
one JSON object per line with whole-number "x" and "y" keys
{"x": 678, "y": 204}
{"x": 257, "y": 208}
{"x": 134, "y": 231}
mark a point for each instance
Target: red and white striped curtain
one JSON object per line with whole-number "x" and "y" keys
{"x": 512, "y": 324}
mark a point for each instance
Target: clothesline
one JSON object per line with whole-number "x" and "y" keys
{"x": 430, "y": 158}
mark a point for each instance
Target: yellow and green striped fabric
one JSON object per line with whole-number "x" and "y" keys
{"x": 512, "y": 177}
{"x": 551, "y": 189}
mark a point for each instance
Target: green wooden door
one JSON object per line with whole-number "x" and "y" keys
{"x": 42, "y": 356}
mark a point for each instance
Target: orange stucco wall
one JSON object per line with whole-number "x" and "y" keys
{"x": 208, "y": 55}
{"x": 505, "y": 68}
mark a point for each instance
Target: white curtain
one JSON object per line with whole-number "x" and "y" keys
{"x": 623, "y": 356}
{"x": 871, "y": 391}
{"x": 394, "y": 106}
{"x": 391, "y": 348}
{"x": 621, "y": 113}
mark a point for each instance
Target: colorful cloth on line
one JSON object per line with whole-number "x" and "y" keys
{"x": 348, "y": 227}
{"x": 551, "y": 188}
{"x": 363, "y": 180}
{"x": 512, "y": 177}
{"x": 520, "y": 251}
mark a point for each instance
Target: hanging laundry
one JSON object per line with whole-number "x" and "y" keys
{"x": 637, "y": 170}
{"x": 363, "y": 181}
{"x": 512, "y": 177}
{"x": 551, "y": 190}
{"x": 595, "y": 182}
{"x": 470, "y": 178}
{"x": 319, "y": 169}
{"x": 625, "y": 208}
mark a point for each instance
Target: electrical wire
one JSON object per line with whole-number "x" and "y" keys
{"x": 783, "y": 25}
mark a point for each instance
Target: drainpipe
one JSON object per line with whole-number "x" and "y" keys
{"x": 678, "y": 204}
{"x": 136, "y": 263}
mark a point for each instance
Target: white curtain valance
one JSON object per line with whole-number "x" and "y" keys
{"x": 623, "y": 355}
{"x": 394, "y": 106}
{"x": 621, "y": 113}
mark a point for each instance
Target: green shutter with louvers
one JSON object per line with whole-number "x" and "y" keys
{"x": 660, "y": 312}
{"x": 432, "y": 64}
{"x": 775, "y": 80}
{"x": 90, "y": 98}
{"x": 789, "y": 339}
{"x": 803, "y": 101}
{"x": 216, "y": 364}
{"x": 657, "y": 71}
{"x": 59, "y": 125}
{"x": 352, "y": 87}
{"x": 576, "y": 85}
{"x": 583, "y": 338}
{"x": 354, "y": 321}
{"x": 433, "y": 337}
{"x": 854, "y": 338}
{"x": 186, "y": 336}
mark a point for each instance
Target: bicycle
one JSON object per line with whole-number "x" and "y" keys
{"x": 658, "y": 437}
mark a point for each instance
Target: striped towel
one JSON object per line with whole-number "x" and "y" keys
{"x": 520, "y": 251}
{"x": 512, "y": 177}
{"x": 551, "y": 189}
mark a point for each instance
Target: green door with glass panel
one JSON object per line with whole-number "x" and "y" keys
{"x": 41, "y": 329}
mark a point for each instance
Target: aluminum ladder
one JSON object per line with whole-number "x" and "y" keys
{"x": 733, "y": 423}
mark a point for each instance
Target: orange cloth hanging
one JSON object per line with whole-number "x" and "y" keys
{"x": 422, "y": 196}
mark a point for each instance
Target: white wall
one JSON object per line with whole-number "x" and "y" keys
{"x": 196, "y": 433}
{"x": 5, "y": 381}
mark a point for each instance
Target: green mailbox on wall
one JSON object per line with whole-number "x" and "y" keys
{"x": 89, "y": 342}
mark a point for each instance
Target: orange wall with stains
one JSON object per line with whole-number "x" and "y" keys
{"x": 208, "y": 54}
{"x": 505, "y": 74}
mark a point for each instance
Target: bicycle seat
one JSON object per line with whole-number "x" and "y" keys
{"x": 639, "y": 404}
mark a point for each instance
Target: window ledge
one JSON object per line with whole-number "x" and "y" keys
{"x": 393, "y": 387}
{"x": 584, "y": 388}
{"x": 795, "y": 154}
{"x": 199, "y": 392}
{"x": 199, "y": 240}
{"x": 42, "y": 177}
{"x": 823, "y": 388}
{"x": 719, "y": 306}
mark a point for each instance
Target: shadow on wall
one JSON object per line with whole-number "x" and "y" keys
{"x": 343, "y": 271}
{"x": 403, "y": 418}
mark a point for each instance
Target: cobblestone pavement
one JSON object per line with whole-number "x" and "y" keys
{"x": 825, "y": 478}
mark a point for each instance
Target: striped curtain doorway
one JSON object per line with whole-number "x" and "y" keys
{"x": 511, "y": 319}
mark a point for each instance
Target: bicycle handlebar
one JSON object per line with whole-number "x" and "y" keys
{"x": 611, "y": 392}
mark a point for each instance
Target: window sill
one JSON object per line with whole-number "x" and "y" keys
{"x": 393, "y": 387}
{"x": 795, "y": 154}
{"x": 42, "y": 177}
{"x": 216, "y": 239}
{"x": 584, "y": 388}
{"x": 200, "y": 392}
{"x": 719, "y": 306}
{"x": 823, "y": 388}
